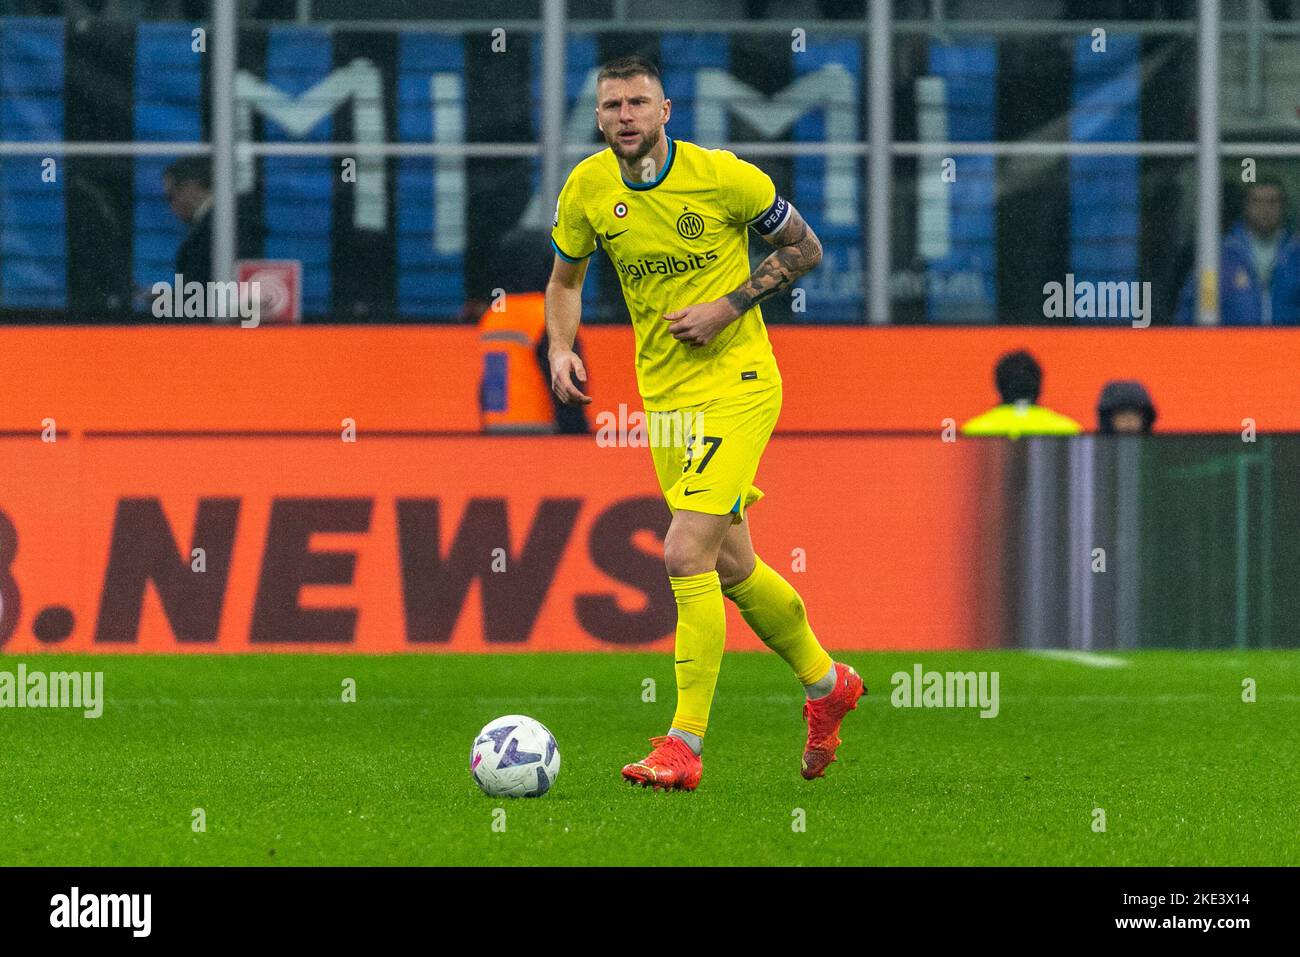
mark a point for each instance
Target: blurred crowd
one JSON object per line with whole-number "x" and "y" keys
{"x": 1124, "y": 406}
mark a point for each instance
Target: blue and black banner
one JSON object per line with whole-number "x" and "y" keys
{"x": 420, "y": 239}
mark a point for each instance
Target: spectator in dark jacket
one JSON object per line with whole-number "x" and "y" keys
{"x": 188, "y": 185}
{"x": 1125, "y": 408}
{"x": 1259, "y": 267}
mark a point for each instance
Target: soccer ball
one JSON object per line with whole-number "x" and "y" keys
{"x": 515, "y": 756}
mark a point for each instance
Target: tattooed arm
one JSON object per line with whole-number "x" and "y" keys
{"x": 798, "y": 250}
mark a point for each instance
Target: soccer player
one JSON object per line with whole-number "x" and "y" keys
{"x": 672, "y": 217}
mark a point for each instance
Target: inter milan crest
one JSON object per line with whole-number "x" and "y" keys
{"x": 690, "y": 225}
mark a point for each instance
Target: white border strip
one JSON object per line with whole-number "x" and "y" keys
{"x": 1090, "y": 659}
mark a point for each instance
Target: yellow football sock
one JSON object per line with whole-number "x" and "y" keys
{"x": 775, "y": 611}
{"x": 701, "y": 636}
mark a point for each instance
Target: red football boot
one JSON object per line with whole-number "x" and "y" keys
{"x": 671, "y": 766}
{"x": 824, "y": 716}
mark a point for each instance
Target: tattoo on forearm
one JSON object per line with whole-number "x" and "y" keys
{"x": 799, "y": 251}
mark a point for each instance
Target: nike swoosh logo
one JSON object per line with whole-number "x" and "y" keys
{"x": 612, "y": 236}
{"x": 695, "y": 491}
{"x": 683, "y": 661}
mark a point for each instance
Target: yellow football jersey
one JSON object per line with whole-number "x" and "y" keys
{"x": 678, "y": 241}
{"x": 1016, "y": 420}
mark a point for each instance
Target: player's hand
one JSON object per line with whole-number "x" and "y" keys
{"x": 565, "y": 367}
{"x": 700, "y": 325}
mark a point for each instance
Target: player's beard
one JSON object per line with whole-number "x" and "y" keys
{"x": 633, "y": 159}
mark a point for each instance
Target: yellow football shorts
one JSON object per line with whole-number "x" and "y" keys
{"x": 706, "y": 455}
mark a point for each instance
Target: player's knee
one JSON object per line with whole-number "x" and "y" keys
{"x": 732, "y": 570}
{"x": 683, "y": 556}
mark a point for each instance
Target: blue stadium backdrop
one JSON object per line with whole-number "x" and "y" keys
{"x": 412, "y": 239}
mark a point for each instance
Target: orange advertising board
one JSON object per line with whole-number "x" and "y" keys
{"x": 468, "y": 544}
{"x": 427, "y": 378}
{"x": 425, "y": 536}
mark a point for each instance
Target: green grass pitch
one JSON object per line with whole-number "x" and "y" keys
{"x": 288, "y": 774}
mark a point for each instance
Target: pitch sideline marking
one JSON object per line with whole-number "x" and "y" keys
{"x": 1091, "y": 659}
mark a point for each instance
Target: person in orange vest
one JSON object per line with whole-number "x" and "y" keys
{"x": 515, "y": 389}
